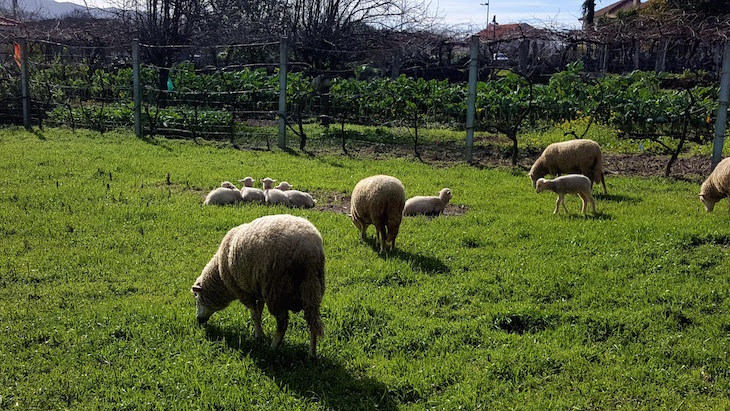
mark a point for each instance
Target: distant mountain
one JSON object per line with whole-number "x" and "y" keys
{"x": 44, "y": 9}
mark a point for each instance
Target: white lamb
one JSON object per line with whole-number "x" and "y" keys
{"x": 223, "y": 195}
{"x": 228, "y": 184}
{"x": 275, "y": 260}
{"x": 296, "y": 198}
{"x": 428, "y": 205}
{"x": 249, "y": 193}
{"x": 274, "y": 195}
{"x": 568, "y": 184}
{"x": 378, "y": 200}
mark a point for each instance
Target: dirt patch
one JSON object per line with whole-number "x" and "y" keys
{"x": 340, "y": 203}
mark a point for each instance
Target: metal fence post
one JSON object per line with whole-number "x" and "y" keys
{"x": 282, "y": 91}
{"x": 471, "y": 97}
{"x": 721, "y": 121}
{"x": 25, "y": 82}
{"x": 136, "y": 92}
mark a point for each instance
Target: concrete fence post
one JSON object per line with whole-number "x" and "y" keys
{"x": 721, "y": 121}
{"x": 471, "y": 98}
{"x": 136, "y": 90}
{"x": 282, "y": 91}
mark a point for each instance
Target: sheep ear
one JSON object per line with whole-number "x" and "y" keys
{"x": 197, "y": 289}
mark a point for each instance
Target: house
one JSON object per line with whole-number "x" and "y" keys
{"x": 612, "y": 11}
{"x": 507, "y": 32}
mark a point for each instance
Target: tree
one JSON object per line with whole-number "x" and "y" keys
{"x": 589, "y": 10}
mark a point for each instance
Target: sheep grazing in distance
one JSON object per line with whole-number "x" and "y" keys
{"x": 249, "y": 193}
{"x": 275, "y": 260}
{"x": 378, "y": 200}
{"x": 296, "y": 198}
{"x": 274, "y": 195}
{"x": 716, "y": 186}
{"x": 223, "y": 195}
{"x": 570, "y": 157}
{"x": 570, "y": 184}
{"x": 428, "y": 205}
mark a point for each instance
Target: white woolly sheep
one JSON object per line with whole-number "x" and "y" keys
{"x": 249, "y": 193}
{"x": 296, "y": 198}
{"x": 275, "y": 260}
{"x": 274, "y": 195}
{"x": 569, "y": 184}
{"x": 570, "y": 157}
{"x": 716, "y": 186}
{"x": 428, "y": 205}
{"x": 378, "y": 200}
{"x": 222, "y": 195}
{"x": 228, "y": 184}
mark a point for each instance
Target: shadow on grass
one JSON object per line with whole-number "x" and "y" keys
{"x": 325, "y": 381}
{"x": 617, "y": 198}
{"x": 417, "y": 261}
{"x": 588, "y": 216}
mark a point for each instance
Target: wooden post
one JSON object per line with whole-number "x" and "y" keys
{"x": 721, "y": 121}
{"x": 282, "y": 91}
{"x": 661, "y": 55}
{"x": 471, "y": 97}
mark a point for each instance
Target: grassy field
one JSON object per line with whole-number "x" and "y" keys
{"x": 504, "y": 307}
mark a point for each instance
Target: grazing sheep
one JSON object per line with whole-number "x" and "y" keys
{"x": 228, "y": 184}
{"x": 570, "y": 157}
{"x": 428, "y": 205}
{"x": 296, "y": 198}
{"x": 223, "y": 195}
{"x": 249, "y": 193}
{"x": 570, "y": 184}
{"x": 378, "y": 200}
{"x": 274, "y": 195}
{"x": 275, "y": 260}
{"x": 717, "y": 185}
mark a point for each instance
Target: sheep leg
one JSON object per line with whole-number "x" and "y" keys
{"x": 584, "y": 203}
{"x": 561, "y": 200}
{"x": 282, "y": 322}
{"x": 603, "y": 182}
{"x": 593, "y": 203}
{"x": 256, "y": 309}
{"x": 381, "y": 236}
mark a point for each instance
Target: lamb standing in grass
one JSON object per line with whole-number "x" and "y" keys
{"x": 274, "y": 195}
{"x": 428, "y": 205}
{"x": 716, "y": 186}
{"x": 249, "y": 193}
{"x": 274, "y": 260}
{"x": 570, "y": 157}
{"x": 570, "y": 184}
{"x": 222, "y": 196}
{"x": 296, "y": 198}
{"x": 378, "y": 200}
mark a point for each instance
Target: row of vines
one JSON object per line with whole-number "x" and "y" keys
{"x": 221, "y": 104}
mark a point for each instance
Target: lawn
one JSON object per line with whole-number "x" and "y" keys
{"x": 499, "y": 306}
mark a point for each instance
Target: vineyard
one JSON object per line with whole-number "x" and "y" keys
{"x": 235, "y": 100}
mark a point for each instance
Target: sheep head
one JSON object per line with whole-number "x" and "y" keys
{"x": 708, "y": 202}
{"x": 445, "y": 195}
{"x": 247, "y": 182}
{"x": 268, "y": 183}
{"x": 540, "y": 185}
{"x": 283, "y": 186}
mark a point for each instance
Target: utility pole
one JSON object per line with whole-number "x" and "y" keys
{"x": 486, "y": 4}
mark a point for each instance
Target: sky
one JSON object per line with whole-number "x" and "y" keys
{"x": 535, "y": 12}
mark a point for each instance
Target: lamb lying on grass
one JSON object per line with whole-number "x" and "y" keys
{"x": 275, "y": 260}
{"x": 716, "y": 186}
{"x": 569, "y": 184}
{"x": 222, "y": 196}
{"x": 428, "y": 205}
{"x": 274, "y": 195}
{"x": 296, "y": 198}
{"x": 249, "y": 193}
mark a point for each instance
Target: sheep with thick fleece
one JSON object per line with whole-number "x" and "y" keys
{"x": 570, "y": 157}
{"x": 716, "y": 186}
{"x": 428, "y": 205}
{"x": 296, "y": 198}
{"x": 275, "y": 260}
{"x": 223, "y": 195}
{"x": 378, "y": 200}
{"x": 249, "y": 193}
{"x": 274, "y": 195}
{"x": 569, "y": 184}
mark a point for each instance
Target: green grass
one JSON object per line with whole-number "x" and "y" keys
{"x": 504, "y": 307}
